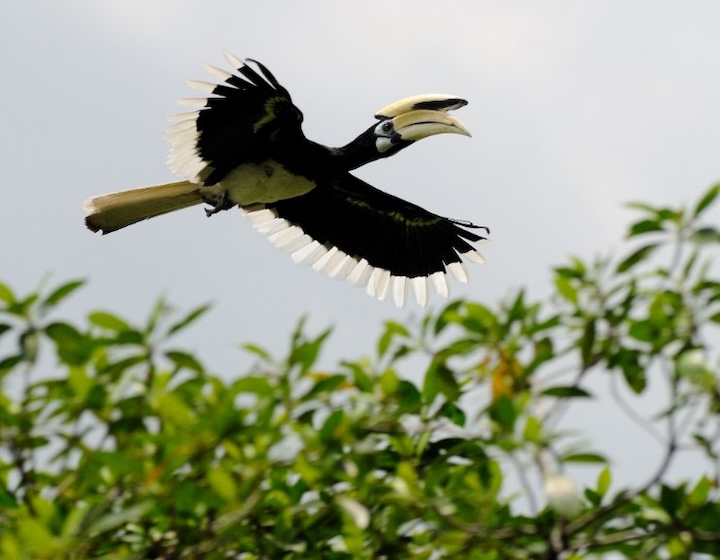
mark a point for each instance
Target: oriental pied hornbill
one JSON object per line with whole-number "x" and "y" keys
{"x": 245, "y": 147}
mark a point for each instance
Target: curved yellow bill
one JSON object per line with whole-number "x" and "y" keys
{"x": 427, "y": 101}
{"x": 416, "y": 125}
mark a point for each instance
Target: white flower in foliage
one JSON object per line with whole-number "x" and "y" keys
{"x": 563, "y": 495}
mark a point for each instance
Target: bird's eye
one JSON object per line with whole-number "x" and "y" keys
{"x": 387, "y": 126}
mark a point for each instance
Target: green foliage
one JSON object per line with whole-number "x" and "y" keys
{"x": 115, "y": 444}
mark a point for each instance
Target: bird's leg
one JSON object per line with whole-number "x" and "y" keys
{"x": 218, "y": 200}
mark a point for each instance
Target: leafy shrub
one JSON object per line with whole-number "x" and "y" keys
{"x": 115, "y": 444}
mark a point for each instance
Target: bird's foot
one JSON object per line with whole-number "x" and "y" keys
{"x": 218, "y": 201}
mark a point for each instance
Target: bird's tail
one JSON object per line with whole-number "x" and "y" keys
{"x": 113, "y": 211}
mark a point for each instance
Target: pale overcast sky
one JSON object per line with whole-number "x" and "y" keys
{"x": 575, "y": 108}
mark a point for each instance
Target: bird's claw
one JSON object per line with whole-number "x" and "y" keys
{"x": 218, "y": 202}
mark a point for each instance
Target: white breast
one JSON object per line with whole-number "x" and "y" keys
{"x": 252, "y": 183}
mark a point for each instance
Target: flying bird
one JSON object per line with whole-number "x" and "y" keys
{"x": 243, "y": 145}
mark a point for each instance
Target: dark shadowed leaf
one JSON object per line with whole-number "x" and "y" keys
{"x": 566, "y": 392}
{"x": 454, "y": 413}
{"x": 644, "y": 226}
{"x": 587, "y": 343}
{"x": 329, "y": 429}
{"x": 440, "y": 379}
{"x": 73, "y": 347}
{"x": 409, "y": 398}
{"x": 628, "y": 360}
{"x": 6, "y": 364}
{"x": 184, "y": 360}
{"x": 636, "y": 257}
{"x": 503, "y": 411}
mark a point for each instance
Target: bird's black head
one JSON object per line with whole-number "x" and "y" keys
{"x": 403, "y": 123}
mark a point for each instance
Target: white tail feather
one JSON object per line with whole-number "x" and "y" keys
{"x": 113, "y": 211}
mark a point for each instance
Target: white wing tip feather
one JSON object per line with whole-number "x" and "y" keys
{"x": 234, "y": 60}
{"x": 218, "y": 73}
{"x": 201, "y": 85}
{"x": 378, "y": 283}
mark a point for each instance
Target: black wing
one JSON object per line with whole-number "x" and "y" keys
{"x": 349, "y": 229}
{"x": 238, "y": 123}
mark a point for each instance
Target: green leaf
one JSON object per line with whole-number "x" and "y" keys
{"x": 543, "y": 351}
{"x": 22, "y": 308}
{"x": 361, "y": 378}
{"x": 79, "y": 381}
{"x": 328, "y": 431}
{"x": 671, "y": 499}
{"x": 6, "y": 294}
{"x": 409, "y": 398}
{"x": 389, "y": 381}
{"x": 185, "y": 360}
{"x": 189, "y": 319}
{"x": 705, "y": 234}
{"x": 604, "y": 480}
{"x": 258, "y": 351}
{"x": 587, "y": 344}
{"x": 6, "y": 364}
{"x": 503, "y": 412}
{"x": 453, "y": 413}
{"x": 255, "y": 384}
{"x": 29, "y": 342}
{"x": 326, "y": 385}
{"x": 440, "y": 379}
{"x": 72, "y": 346}
{"x": 569, "y": 273}
{"x": 636, "y": 257}
{"x": 583, "y": 458}
{"x": 707, "y": 199}
{"x": 305, "y": 353}
{"x": 699, "y": 494}
{"x": 60, "y": 293}
{"x": 629, "y": 362}
{"x": 108, "y": 321}
{"x": 392, "y": 330}
{"x": 4, "y": 328}
{"x": 129, "y": 514}
{"x": 566, "y": 392}
{"x": 222, "y": 483}
{"x": 159, "y": 311}
{"x": 564, "y": 286}
{"x": 644, "y": 226}
{"x": 518, "y": 309}
{"x": 478, "y": 318}
{"x": 173, "y": 410}
{"x": 7, "y": 500}
{"x": 533, "y": 430}
{"x": 447, "y": 316}
{"x": 642, "y": 206}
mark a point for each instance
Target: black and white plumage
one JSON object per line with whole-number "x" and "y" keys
{"x": 244, "y": 146}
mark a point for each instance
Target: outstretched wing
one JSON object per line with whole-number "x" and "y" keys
{"x": 237, "y": 123}
{"x": 349, "y": 229}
